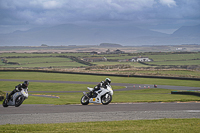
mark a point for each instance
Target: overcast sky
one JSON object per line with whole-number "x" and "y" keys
{"x": 160, "y": 15}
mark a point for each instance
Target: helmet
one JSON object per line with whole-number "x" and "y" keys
{"x": 108, "y": 80}
{"x": 26, "y": 83}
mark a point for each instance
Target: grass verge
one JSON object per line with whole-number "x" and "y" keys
{"x": 127, "y": 126}
{"x": 93, "y": 78}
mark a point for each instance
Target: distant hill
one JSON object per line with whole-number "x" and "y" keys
{"x": 109, "y": 45}
{"x": 70, "y": 34}
{"x": 188, "y": 31}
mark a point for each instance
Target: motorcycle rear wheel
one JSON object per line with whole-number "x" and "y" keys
{"x": 105, "y": 100}
{"x": 19, "y": 100}
{"x": 84, "y": 100}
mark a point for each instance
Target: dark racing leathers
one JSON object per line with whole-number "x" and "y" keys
{"x": 97, "y": 87}
{"x": 18, "y": 88}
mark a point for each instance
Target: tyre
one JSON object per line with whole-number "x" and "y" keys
{"x": 18, "y": 101}
{"x": 84, "y": 100}
{"x": 4, "y": 103}
{"x": 106, "y": 99}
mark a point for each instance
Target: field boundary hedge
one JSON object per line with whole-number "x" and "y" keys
{"x": 186, "y": 93}
{"x": 100, "y": 74}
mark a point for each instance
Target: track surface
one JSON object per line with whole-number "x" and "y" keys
{"x": 30, "y": 114}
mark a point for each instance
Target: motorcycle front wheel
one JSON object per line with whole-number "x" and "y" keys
{"x": 19, "y": 100}
{"x": 106, "y": 99}
{"x": 84, "y": 100}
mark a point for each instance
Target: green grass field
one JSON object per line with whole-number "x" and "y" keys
{"x": 167, "y": 63}
{"x": 49, "y": 60}
{"x": 169, "y": 73}
{"x": 172, "y": 56}
{"x": 39, "y": 60}
{"x": 93, "y": 78}
{"x": 42, "y": 62}
{"x": 128, "y": 126}
{"x": 135, "y": 64}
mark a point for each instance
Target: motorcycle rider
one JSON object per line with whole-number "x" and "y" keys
{"x": 18, "y": 88}
{"x": 102, "y": 84}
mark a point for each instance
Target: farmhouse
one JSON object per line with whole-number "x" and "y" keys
{"x": 136, "y": 59}
{"x": 140, "y": 59}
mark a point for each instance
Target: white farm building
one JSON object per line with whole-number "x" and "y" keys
{"x": 140, "y": 59}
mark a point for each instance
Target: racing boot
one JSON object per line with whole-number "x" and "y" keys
{"x": 92, "y": 93}
{"x": 8, "y": 99}
{"x": 10, "y": 95}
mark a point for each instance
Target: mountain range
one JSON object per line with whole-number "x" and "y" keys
{"x": 70, "y": 34}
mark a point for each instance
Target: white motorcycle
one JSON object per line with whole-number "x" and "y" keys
{"x": 17, "y": 98}
{"x": 104, "y": 96}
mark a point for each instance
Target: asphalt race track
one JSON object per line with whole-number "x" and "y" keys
{"x": 31, "y": 114}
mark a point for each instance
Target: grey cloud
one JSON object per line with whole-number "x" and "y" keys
{"x": 169, "y": 3}
{"x": 64, "y": 11}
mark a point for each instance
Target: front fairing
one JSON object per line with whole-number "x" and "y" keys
{"x": 110, "y": 89}
{"x": 25, "y": 92}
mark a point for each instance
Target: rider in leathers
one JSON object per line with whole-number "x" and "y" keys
{"x": 18, "y": 88}
{"x": 102, "y": 84}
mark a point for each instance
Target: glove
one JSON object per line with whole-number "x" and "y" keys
{"x": 17, "y": 89}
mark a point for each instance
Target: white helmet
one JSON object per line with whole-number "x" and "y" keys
{"x": 108, "y": 80}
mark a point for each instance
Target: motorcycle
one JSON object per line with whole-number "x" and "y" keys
{"x": 155, "y": 86}
{"x": 104, "y": 96}
{"x": 17, "y": 98}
